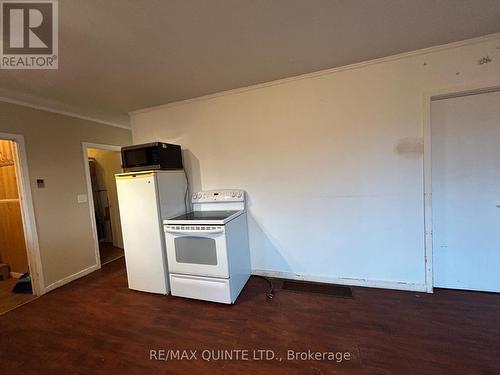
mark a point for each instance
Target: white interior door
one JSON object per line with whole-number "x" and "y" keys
{"x": 466, "y": 192}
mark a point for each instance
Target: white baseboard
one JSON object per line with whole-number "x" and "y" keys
{"x": 16, "y": 275}
{"x": 344, "y": 281}
{"x": 70, "y": 278}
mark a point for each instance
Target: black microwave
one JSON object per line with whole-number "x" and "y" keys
{"x": 151, "y": 156}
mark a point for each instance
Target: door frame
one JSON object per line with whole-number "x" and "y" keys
{"x": 474, "y": 88}
{"x": 27, "y": 213}
{"x": 85, "y": 147}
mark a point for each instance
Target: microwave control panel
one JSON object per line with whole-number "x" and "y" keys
{"x": 218, "y": 196}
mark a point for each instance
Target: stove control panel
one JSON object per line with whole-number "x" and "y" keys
{"x": 193, "y": 229}
{"x": 218, "y": 196}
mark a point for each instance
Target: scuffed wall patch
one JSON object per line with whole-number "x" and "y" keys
{"x": 409, "y": 147}
{"x": 485, "y": 60}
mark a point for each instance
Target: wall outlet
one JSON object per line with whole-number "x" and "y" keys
{"x": 82, "y": 198}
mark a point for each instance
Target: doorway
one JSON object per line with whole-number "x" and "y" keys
{"x": 465, "y": 174}
{"x": 103, "y": 163}
{"x": 15, "y": 280}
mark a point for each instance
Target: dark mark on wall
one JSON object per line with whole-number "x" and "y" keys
{"x": 409, "y": 147}
{"x": 485, "y": 60}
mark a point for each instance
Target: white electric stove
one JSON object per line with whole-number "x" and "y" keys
{"x": 207, "y": 249}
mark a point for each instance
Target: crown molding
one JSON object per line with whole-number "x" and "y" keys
{"x": 320, "y": 73}
{"x": 61, "y": 112}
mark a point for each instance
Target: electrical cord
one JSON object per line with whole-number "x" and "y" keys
{"x": 270, "y": 293}
{"x": 187, "y": 206}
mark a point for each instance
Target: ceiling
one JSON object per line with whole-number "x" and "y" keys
{"x": 116, "y": 56}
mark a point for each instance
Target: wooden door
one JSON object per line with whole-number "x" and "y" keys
{"x": 12, "y": 243}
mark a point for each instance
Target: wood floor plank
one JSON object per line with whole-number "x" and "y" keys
{"x": 9, "y": 300}
{"x": 97, "y": 325}
{"x": 109, "y": 253}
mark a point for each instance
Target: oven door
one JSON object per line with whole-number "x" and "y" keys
{"x": 197, "y": 250}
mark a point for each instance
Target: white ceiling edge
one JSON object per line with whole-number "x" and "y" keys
{"x": 319, "y": 73}
{"x": 44, "y": 104}
{"x": 35, "y": 104}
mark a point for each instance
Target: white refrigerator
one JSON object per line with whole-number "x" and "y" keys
{"x": 145, "y": 200}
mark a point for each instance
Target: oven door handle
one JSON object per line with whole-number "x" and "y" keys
{"x": 187, "y": 231}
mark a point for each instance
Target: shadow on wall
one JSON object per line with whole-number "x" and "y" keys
{"x": 264, "y": 252}
{"x": 192, "y": 166}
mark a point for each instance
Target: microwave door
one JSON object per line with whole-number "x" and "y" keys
{"x": 197, "y": 253}
{"x": 141, "y": 157}
{"x": 136, "y": 158}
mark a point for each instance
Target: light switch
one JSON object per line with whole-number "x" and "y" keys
{"x": 82, "y": 198}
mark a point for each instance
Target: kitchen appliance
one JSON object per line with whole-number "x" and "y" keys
{"x": 151, "y": 156}
{"x": 207, "y": 249}
{"x": 145, "y": 199}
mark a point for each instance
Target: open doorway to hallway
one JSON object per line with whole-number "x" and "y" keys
{"x": 15, "y": 281}
{"x": 103, "y": 165}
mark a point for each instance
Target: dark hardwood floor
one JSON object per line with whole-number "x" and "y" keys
{"x": 97, "y": 326}
{"x": 10, "y": 300}
{"x": 109, "y": 253}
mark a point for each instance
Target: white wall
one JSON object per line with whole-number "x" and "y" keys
{"x": 332, "y": 161}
